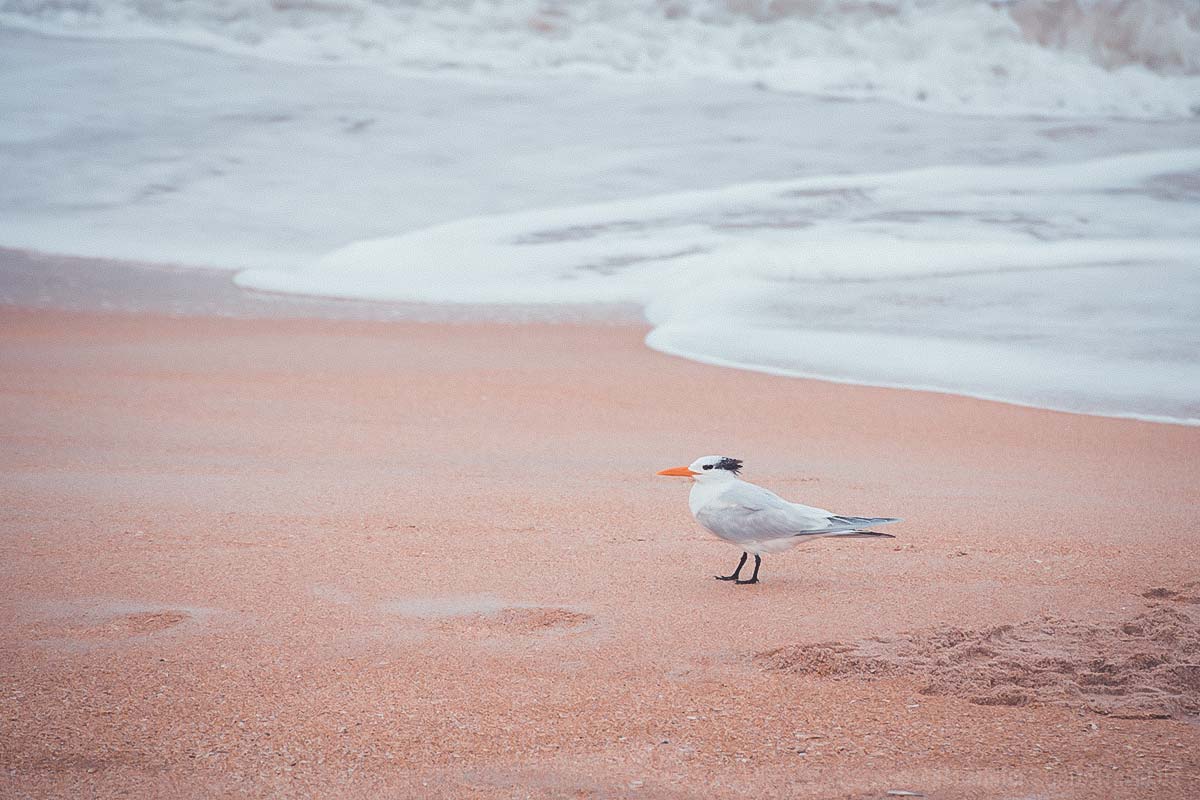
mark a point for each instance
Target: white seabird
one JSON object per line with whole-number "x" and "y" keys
{"x": 756, "y": 519}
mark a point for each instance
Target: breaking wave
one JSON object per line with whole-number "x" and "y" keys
{"x": 1127, "y": 58}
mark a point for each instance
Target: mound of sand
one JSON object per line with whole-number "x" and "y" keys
{"x": 1144, "y": 667}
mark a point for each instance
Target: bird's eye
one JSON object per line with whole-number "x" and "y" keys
{"x": 708, "y": 466}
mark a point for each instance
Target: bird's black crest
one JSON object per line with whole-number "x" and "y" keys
{"x": 734, "y": 465}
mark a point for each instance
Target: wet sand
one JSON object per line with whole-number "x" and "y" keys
{"x": 348, "y": 558}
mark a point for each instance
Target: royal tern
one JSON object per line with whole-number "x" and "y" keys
{"x": 756, "y": 519}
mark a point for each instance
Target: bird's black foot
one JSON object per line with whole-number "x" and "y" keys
{"x": 736, "y": 573}
{"x": 754, "y": 577}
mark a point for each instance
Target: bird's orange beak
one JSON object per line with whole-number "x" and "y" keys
{"x": 677, "y": 472}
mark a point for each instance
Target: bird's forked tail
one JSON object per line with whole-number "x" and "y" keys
{"x": 853, "y": 526}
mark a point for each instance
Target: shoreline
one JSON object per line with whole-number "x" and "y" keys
{"x": 1186, "y": 422}
{"x": 36, "y": 280}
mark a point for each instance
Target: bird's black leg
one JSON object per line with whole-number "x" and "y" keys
{"x": 757, "y": 564}
{"x": 736, "y": 572}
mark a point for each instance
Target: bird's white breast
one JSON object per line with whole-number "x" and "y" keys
{"x": 703, "y": 494}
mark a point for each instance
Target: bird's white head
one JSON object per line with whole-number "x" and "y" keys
{"x": 708, "y": 468}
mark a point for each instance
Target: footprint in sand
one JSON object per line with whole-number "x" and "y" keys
{"x": 488, "y": 616}
{"x": 1189, "y": 593}
{"x": 139, "y": 624}
{"x": 1143, "y": 667}
{"x": 108, "y": 622}
{"x": 518, "y": 620}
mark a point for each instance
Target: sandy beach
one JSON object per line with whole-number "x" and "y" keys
{"x": 322, "y": 558}
{"x": 341, "y": 343}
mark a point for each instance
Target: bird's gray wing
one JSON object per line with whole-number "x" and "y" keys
{"x": 747, "y": 513}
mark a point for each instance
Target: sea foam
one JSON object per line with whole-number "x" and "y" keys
{"x": 1069, "y": 285}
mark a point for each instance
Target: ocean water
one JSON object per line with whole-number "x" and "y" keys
{"x": 999, "y": 199}
{"x": 1135, "y": 58}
